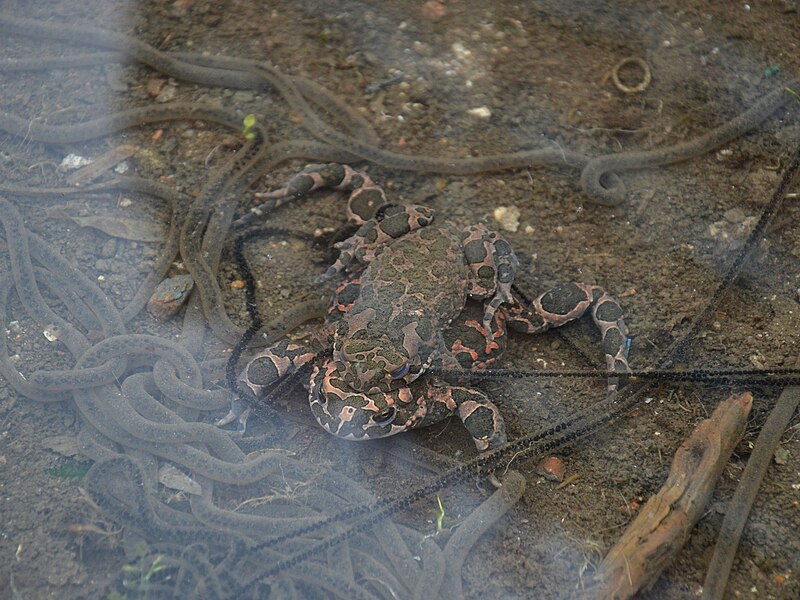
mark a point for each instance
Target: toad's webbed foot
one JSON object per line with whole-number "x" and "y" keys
{"x": 239, "y": 411}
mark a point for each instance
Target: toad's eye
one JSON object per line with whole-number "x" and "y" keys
{"x": 386, "y": 416}
{"x": 401, "y": 372}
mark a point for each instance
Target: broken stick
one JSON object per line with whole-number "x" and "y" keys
{"x": 663, "y": 525}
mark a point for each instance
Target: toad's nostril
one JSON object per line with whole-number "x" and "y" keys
{"x": 386, "y": 416}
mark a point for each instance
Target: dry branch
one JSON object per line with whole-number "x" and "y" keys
{"x": 663, "y": 525}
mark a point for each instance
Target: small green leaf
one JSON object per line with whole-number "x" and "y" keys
{"x": 772, "y": 71}
{"x": 439, "y": 514}
{"x": 249, "y": 122}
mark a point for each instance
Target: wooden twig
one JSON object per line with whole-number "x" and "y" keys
{"x": 663, "y": 525}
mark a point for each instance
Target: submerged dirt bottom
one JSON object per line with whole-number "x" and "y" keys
{"x": 539, "y": 69}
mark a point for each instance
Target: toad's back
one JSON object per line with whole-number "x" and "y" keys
{"x": 416, "y": 285}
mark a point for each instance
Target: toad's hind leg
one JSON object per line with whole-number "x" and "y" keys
{"x": 569, "y": 301}
{"x": 474, "y": 346}
{"x": 364, "y": 201}
{"x": 390, "y": 223}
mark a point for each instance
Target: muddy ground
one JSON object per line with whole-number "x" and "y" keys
{"x": 537, "y": 73}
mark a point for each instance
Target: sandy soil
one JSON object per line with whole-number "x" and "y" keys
{"x": 541, "y": 71}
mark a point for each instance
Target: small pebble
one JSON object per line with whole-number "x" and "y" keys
{"x": 551, "y": 468}
{"x": 757, "y": 361}
{"x": 482, "y": 112}
{"x": 66, "y": 445}
{"x": 433, "y": 10}
{"x": 51, "y": 333}
{"x": 73, "y": 161}
{"x": 460, "y": 51}
{"x": 781, "y": 456}
{"x": 109, "y": 248}
{"x": 244, "y": 96}
{"x": 167, "y": 94}
{"x": 718, "y": 231}
{"x": 154, "y": 86}
{"x": 724, "y": 154}
{"x": 507, "y": 217}
{"x": 734, "y": 215}
{"x": 175, "y": 479}
{"x": 170, "y": 296}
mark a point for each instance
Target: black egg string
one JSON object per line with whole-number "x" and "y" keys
{"x": 767, "y": 376}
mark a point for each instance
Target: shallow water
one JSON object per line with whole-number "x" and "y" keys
{"x": 526, "y": 82}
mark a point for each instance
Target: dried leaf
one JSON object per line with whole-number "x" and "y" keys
{"x": 101, "y": 164}
{"x": 175, "y": 479}
{"x": 137, "y": 230}
{"x": 65, "y": 445}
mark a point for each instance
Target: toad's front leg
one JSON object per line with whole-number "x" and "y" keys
{"x": 480, "y": 416}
